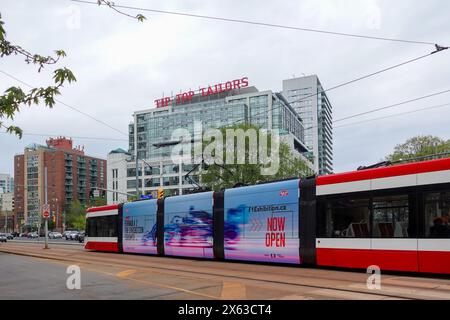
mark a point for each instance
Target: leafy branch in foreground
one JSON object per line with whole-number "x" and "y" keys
{"x": 110, "y": 4}
{"x": 14, "y": 97}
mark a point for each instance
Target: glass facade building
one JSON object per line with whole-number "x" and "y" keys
{"x": 265, "y": 109}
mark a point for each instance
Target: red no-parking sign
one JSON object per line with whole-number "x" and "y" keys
{"x": 46, "y": 211}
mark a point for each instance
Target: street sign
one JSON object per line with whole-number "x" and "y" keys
{"x": 46, "y": 210}
{"x": 96, "y": 193}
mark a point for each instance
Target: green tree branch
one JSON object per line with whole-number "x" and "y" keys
{"x": 14, "y": 97}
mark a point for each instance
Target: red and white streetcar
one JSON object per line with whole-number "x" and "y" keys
{"x": 396, "y": 217}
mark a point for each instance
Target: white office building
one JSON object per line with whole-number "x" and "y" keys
{"x": 116, "y": 164}
{"x": 306, "y": 96}
{"x": 6, "y": 202}
{"x": 6, "y": 183}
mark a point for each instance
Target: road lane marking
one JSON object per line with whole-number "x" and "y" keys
{"x": 125, "y": 273}
{"x": 233, "y": 290}
{"x": 159, "y": 285}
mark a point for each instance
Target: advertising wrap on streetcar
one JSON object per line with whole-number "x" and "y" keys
{"x": 139, "y": 227}
{"x": 188, "y": 225}
{"x": 261, "y": 223}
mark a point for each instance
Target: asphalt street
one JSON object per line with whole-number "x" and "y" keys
{"x": 28, "y": 271}
{"x": 30, "y": 278}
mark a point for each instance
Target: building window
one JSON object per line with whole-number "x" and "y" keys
{"x": 171, "y": 181}
{"x": 149, "y": 171}
{"x": 152, "y": 182}
{"x": 171, "y": 169}
{"x": 131, "y": 172}
{"x": 131, "y": 184}
{"x": 115, "y": 173}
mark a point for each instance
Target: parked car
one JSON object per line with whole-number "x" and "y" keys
{"x": 81, "y": 236}
{"x": 74, "y": 235}
{"x": 15, "y": 234}
{"x": 71, "y": 235}
{"x": 56, "y": 235}
{"x": 3, "y": 237}
{"x": 9, "y": 236}
{"x": 23, "y": 235}
{"x": 33, "y": 235}
{"x": 66, "y": 233}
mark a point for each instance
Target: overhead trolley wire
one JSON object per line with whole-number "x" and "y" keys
{"x": 348, "y": 82}
{"x": 391, "y": 106}
{"x": 67, "y": 105}
{"x": 393, "y": 115}
{"x": 265, "y": 24}
{"x": 388, "y": 107}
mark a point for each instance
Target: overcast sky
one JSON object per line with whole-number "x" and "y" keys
{"x": 122, "y": 65}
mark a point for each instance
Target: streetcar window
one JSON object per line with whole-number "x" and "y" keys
{"x": 437, "y": 214}
{"x": 105, "y": 226}
{"x": 346, "y": 218}
{"x": 390, "y": 216}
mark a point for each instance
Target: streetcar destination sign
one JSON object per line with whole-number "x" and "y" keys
{"x": 185, "y": 97}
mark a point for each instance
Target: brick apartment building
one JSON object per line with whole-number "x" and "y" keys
{"x": 70, "y": 175}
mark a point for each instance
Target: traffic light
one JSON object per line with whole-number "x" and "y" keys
{"x": 54, "y": 218}
{"x": 160, "y": 193}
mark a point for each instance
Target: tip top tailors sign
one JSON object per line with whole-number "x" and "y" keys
{"x": 185, "y": 97}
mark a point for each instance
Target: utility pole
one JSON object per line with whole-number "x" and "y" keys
{"x": 143, "y": 178}
{"x": 46, "y": 203}
{"x": 1, "y": 208}
{"x": 57, "y": 213}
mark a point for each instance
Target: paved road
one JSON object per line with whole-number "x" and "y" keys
{"x": 27, "y": 271}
